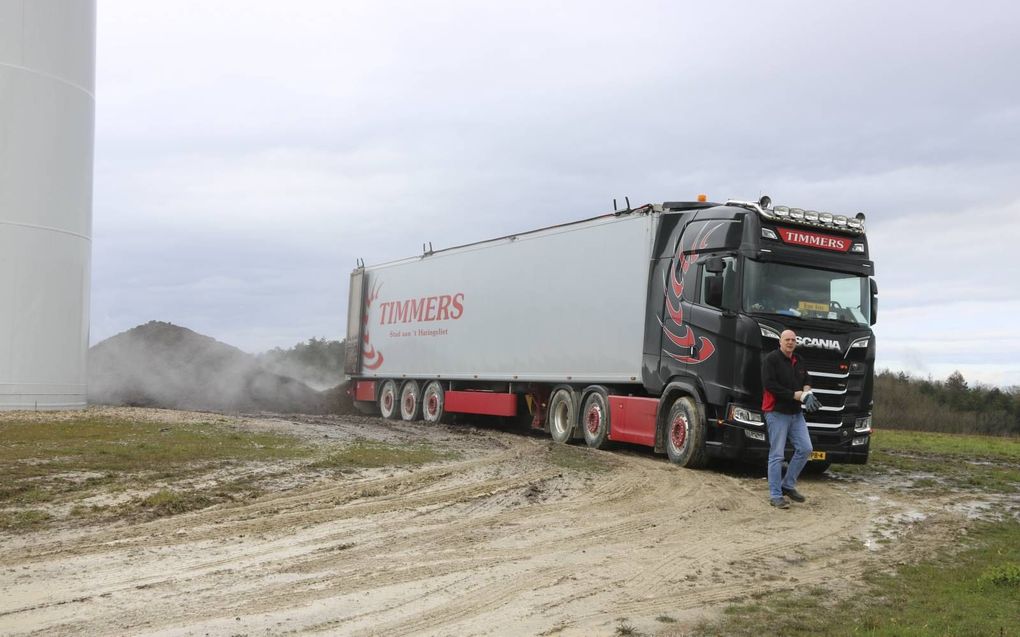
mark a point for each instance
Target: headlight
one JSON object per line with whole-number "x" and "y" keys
{"x": 768, "y": 332}
{"x": 862, "y": 425}
{"x": 745, "y": 416}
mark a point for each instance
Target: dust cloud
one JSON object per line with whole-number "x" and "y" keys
{"x": 164, "y": 365}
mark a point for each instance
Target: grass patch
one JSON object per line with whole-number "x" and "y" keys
{"x": 576, "y": 458}
{"x": 626, "y": 630}
{"x": 61, "y": 462}
{"x": 25, "y": 520}
{"x": 368, "y": 454}
{"x": 169, "y": 502}
{"x": 973, "y": 592}
{"x": 965, "y": 446}
{"x": 953, "y": 461}
{"x": 99, "y": 444}
{"x": 1007, "y": 575}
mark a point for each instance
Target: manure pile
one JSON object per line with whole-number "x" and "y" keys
{"x": 164, "y": 365}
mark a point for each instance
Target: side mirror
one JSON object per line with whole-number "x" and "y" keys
{"x": 874, "y": 301}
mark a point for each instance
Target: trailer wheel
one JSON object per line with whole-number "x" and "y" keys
{"x": 595, "y": 419}
{"x": 433, "y": 402}
{"x": 410, "y": 401}
{"x": 562, "y": 414}
{"x": 388, "y": 400}
{"x": 685, "y": 435}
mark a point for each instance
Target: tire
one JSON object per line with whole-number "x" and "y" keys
{"x": 685, "y": 434}
{"x": 595, "y": 419}
{"x": 817, "y": 467}
{"x": 433, "y": 402}
{"x": 388, "y": 404}
{"x": 562, "y": 414}
{"x": 410, "y": 401}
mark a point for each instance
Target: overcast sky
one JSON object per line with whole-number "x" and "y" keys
{"x": 247, "y": 152}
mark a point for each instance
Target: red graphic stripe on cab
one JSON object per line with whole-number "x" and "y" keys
{"x": 679, "y": 267}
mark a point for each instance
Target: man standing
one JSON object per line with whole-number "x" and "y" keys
{"x": 785, "y": 385}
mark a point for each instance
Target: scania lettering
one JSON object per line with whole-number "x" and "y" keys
{"x": 643, "y": 326}
{"x": 826, "y": 343}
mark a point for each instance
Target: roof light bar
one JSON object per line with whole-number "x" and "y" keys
{"x": 799, "y": 216}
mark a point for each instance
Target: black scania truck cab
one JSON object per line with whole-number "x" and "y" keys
{"x": 725, "y": 281}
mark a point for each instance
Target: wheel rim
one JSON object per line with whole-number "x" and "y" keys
{"x": 593, "y": 419}
{"x": 432, "y": 404}
{"x": 678, "y": 432}
{"x": 409, "y": 402}
{"x": 387, "y": 401}
{"x": 560, "y": 416}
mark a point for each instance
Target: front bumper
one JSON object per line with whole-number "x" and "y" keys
{"x": 732, "y": 442}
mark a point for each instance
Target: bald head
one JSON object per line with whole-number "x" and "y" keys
{"x": 787, "y": 342}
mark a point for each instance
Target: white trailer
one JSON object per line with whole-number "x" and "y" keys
{"x": 560, "y": 304}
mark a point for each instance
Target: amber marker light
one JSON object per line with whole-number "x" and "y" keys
{"x": 702, "y": 198}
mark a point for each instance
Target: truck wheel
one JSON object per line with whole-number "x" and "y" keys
{"x": 410, "y": 401}
{"x": 388, "y": 400}
{"x": 595, "y": 419}
{"x": 562, "y": 414}
{"x": 685, "y": 435}
{"x": 433, "y": 402}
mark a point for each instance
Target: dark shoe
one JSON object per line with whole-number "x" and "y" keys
{"x": 780, "y": 503}
{"x": 794, "y": 495}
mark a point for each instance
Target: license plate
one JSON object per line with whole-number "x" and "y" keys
{"x": 817, "y": 455}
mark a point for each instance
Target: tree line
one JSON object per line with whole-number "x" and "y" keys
{"x": 950, "y": 406}
{"x": 319, "y": 362}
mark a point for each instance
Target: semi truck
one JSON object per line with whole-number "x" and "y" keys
{"x": 644, "y": 326}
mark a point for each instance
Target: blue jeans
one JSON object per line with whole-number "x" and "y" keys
{"x": 780, "y": 427}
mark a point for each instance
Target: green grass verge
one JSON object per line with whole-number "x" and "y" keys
{"x": 952, "y": 461}
{"x": 367, "y": 454}
{"x": 975, "y": 591}
{"x": 962, "y": 445}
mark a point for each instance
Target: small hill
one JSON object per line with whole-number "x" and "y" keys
{"x": 163, "y": 365}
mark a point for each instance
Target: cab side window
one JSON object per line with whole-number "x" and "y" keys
{"x": 719, "y": 289}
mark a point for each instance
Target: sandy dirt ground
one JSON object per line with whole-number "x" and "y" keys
{"x": 497, "y": 542}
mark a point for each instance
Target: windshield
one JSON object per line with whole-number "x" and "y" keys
{"x": 790, "y": 290}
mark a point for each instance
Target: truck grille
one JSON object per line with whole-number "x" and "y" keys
{"x": 829, "y": 384}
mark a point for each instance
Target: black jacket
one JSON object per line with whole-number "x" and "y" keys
{"x": 780, "y": 378}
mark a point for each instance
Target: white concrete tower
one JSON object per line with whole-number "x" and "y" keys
{"x": 47, "y": 124}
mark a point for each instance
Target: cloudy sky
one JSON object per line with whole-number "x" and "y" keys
{"x": 248, "y": 152}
